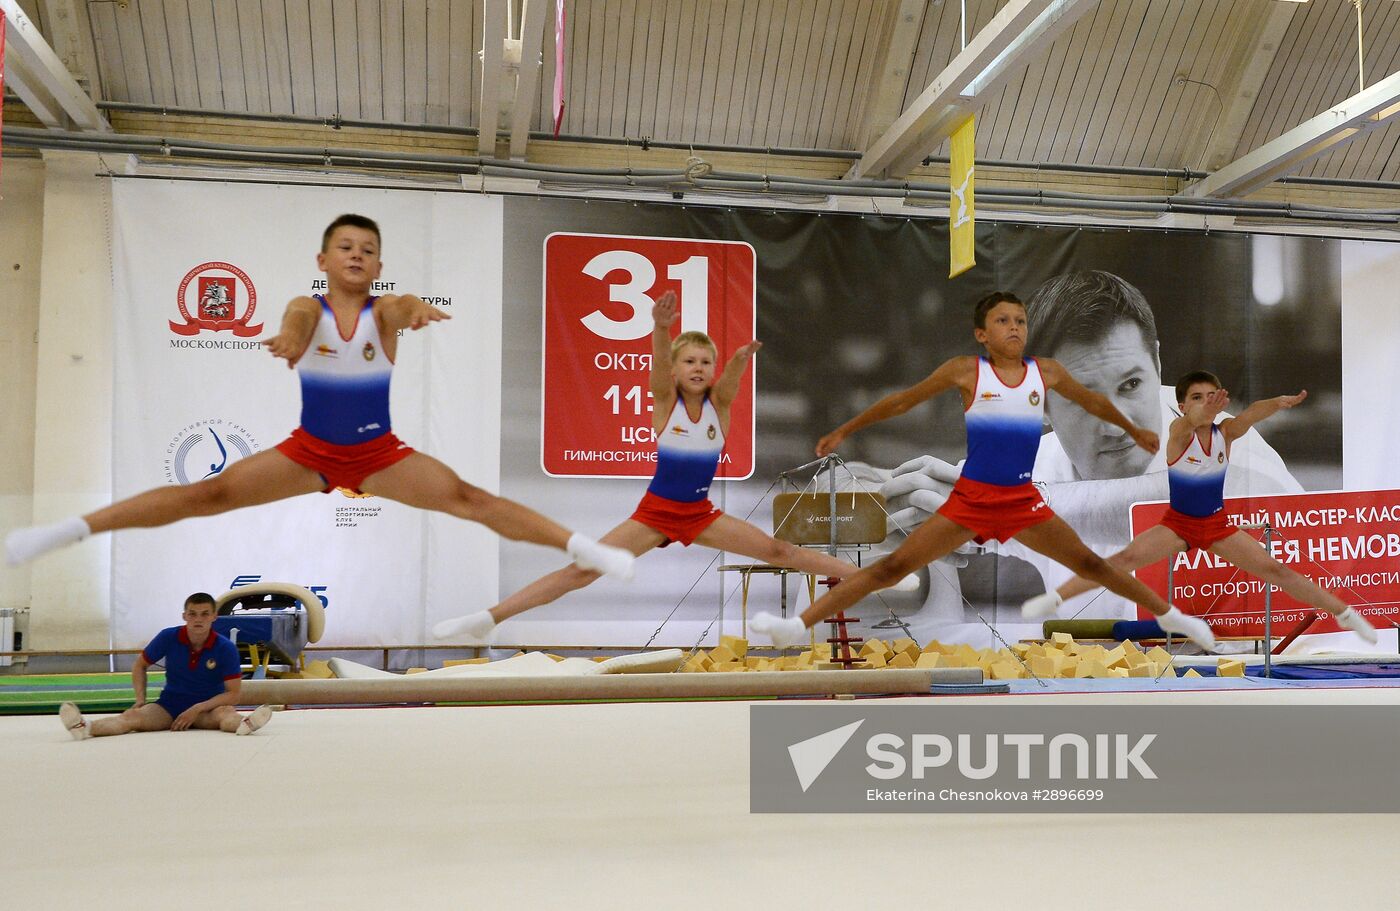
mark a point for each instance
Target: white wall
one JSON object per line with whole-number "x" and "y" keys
{"x": 21, "y": 251}
{"x": 1370, "y": 366}
{"x": 71, "y": 589}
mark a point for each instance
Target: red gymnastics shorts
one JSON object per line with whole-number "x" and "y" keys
{"x": 344, "y": 466}
{"x": 1198, "y": 531}
{"x": 993, "y": 511}
{"x": 683, "y": 522}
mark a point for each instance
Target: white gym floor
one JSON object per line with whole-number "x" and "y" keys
{"x": 603, "y": 806}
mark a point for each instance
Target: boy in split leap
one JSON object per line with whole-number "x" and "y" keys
{"x": 1198, "y": 455}
{"x": 342, "y": 344}
{"x": 1003, "y": 394}
{"x": 691, "y": 417}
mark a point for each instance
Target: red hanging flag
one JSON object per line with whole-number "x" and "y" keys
{"x": 558, "y": 65}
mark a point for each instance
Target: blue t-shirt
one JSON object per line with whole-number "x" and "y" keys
{"x": 197, "y": 675}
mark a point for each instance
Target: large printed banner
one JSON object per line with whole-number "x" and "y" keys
{"x": 853, "y": 307}
{"x": 598, "y": 295}
{"x": 1346, "y": 542}
{"x": 196, "y": 393}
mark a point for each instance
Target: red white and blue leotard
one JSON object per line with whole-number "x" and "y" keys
{"x": 994, "y": 496}
{"x": 677, "y": 502}
{"x": 345, "y": 381}
{"x": 1196, "y": 481}
{"x": 345, "y": 432}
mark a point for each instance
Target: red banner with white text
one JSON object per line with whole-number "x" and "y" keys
{"x": 1347, "y": 542}
{"x": 598, "y": 295}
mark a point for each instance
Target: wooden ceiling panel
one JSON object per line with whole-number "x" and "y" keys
{"x": 794, "y": 73}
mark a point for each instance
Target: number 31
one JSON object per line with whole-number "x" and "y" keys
{"x": 694, "y": 278}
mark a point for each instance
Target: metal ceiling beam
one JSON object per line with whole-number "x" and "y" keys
{"x": 40, "y": 78}
{"x": 1239, "y": 90}
{"x": 1015, "y": 35}
{"x": 892, "y": 70}
{"x": 528, "y": 81}
{"x": 1324, "y": 133}
{"x": 493, "y": 30}
{"x": 70, "y": 35}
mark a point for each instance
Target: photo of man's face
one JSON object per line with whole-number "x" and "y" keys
{"x": 1121, "y": 367}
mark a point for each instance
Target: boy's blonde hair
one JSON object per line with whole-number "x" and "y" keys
{"x": 693, "y": 338}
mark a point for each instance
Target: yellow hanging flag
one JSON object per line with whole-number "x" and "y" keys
{"x": 961, "y": 240}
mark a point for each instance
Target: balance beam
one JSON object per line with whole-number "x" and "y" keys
{"x": 620, "y": 687}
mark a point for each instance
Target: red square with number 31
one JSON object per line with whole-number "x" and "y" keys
{"x": 598, "y": 294}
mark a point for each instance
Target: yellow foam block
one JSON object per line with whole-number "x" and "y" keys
{"x": 1118, "y": 672}
{"x": 1071, "y": 663}
{"x": 929, "y": 660}
{"x": 1094, "y": 669}
{"x": 415, "y": 670}
{"x": 874, "y": 647}
{"x": 902, "y": 644}
{"x": 875, "y": 659}
{"x": 317, "y": 670}
{"x": 1135, "y": 658}
{"x": 1159, "y": 655}
{"x": 722, "y": 654}
{"x": 1191, "y": 673}
{"x": 901, "y": 660}
{"x": 1046, "y": 665}
{"x": 740, "y": 647}
{"x": 1005, "y": 670}
{"x": 1061, "y": 639}
{"x": 1169, "y": 671}
{"x": 1116, "y": 657}
{"x": 967, "y": 653}
{"x": 1131, "y": 646}
{"x": 1142, "y": 669}
{"x": 830, "y": 666}
{"x": 1229, "y": 668}
{"x": 934, "y": 645}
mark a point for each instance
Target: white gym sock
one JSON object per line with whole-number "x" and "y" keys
{"x": 24, "y": 544}
{"x": 1350, "y": 619}
{"x": 784, "y": 631}
{"x": 1193, "y": 628}
{"x": 909, "y": 583}
{"x": 74, "y": 721}
{"x": 476, "y": 626}
{"x": 252, "y": 722}
{"x": 589, "y": 554}
{"x": 1042, "y": 606}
